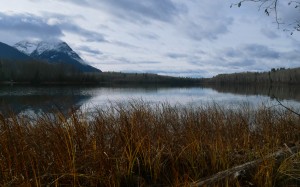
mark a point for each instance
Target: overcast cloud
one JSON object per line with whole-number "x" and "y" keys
{"x": 174, "y": 37}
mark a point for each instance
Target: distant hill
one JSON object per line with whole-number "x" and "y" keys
{"x": 8, "y": 52}
{"x": 58, "y": 52}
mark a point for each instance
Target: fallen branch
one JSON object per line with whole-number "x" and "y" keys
{"x": 236, "y": 171}
{"x": 287, "y": 108}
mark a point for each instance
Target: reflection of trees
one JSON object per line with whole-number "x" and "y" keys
{"x": 279, "y": 91}
{"x": 41, "y": 103}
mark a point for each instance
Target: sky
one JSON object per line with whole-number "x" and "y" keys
{"x": 187, "y": 38}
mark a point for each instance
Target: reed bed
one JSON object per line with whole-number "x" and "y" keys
{"x": 139, "y": 144}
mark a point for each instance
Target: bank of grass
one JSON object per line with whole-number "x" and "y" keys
{"x": 138, "y": 144}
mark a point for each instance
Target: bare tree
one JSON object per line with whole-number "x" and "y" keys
{"x": 274, "y": 8}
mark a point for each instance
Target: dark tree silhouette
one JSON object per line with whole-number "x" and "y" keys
{"x": 274, "y": 8}
{"x": 36, "y": 79}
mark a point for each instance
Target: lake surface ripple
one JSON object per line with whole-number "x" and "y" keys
{"x": 22, "y": 99}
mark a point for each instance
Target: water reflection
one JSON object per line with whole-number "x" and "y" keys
{"x": 44, "y": 99}
{"x": 40, "y": 103}
{"x": 18, "y": 99}
{"x": 281, "y": 92}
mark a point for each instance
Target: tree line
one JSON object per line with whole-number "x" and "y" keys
{"x": 41, "y": 72}
{"x": 274, "y": 76}
{"x": 119, "y": 78}
{"x": 36, "y": 72}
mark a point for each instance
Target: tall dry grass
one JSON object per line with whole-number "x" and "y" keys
{"x": 139, "y": 144}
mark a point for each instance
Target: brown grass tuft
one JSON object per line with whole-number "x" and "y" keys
{"x": 139, "y": 144}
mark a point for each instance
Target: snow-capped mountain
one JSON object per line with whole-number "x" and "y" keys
{"x": 54, "y": 52}
{"x": 37, "y": 48}
{"x": 9, "y": 53}
{"x": 26, "y": 47}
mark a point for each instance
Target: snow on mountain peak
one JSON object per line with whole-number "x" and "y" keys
{"x": 46, "y": 46}
{"x": 39, "y": 47}
{"x": 26, "y": 47}
{"x": 36, "y": 48}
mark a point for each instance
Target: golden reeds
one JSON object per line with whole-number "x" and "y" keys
{"x": 138, "y": 144}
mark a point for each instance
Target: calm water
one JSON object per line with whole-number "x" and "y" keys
{"x": 43, "y": 99}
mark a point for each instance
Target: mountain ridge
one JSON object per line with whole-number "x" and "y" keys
{"x": 8, "y": 52}
{"x": 54, "y": 52}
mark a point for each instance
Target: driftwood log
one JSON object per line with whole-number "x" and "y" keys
{"x": 238, "y": 170}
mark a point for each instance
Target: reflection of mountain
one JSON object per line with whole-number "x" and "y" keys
{"x": 279, "y": 91}
{"x": 41, "y": 103}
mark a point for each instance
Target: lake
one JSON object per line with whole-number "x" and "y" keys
{"x": 27, "y": 100}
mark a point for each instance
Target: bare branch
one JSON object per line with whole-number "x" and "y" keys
{"x": 272, "y": 6}
{"x": 276, "y": 14}
{"x": 287, "y": 108}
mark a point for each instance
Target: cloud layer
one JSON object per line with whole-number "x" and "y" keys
{"x": 173, "y": 37}
{"x": 28, "y": 25}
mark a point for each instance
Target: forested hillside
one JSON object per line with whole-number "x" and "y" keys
{"x": 40, "y": 72}
{"x": 36, "y": 72}
{"x": 275, "y": 76}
